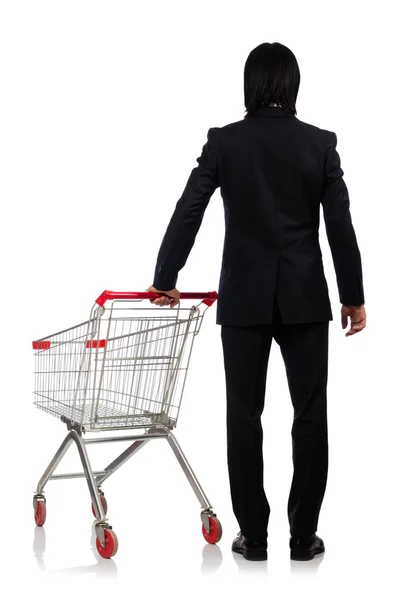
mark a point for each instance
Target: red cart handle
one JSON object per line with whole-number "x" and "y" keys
{"x": 208, "y": 298}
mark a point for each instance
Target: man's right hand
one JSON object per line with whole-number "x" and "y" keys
{"x": 358, "y": 318}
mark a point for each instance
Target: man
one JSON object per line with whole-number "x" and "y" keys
{"x": 274, "y": 172}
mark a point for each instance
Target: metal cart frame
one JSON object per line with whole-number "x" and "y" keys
{"x": 157, "y": 425}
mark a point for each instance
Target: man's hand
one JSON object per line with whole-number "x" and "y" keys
{"x": 172, "y": 297}
{"x": 358, "y": 318}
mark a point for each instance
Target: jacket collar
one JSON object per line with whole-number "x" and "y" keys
{"x": 270, "y": 111}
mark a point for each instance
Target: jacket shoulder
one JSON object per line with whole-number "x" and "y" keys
{"x": 325, "y": 134}
{"x": 228, "y": 133}
{"x": 229, "y": 127}
{"x": 308, "y": 128}
{"x": 236, "y": 130}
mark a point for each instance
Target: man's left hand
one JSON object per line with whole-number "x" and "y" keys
{"x": 171, "y": 298}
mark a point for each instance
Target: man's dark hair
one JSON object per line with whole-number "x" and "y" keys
{"x": 271, "y": 76}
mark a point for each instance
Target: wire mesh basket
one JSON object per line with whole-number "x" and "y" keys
{"x": 123, "y": 368}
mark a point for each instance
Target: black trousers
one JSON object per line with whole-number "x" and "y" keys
{"x": 304, "y": 348}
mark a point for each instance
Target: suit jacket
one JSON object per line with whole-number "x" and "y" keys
{"x": 274, "y": 171}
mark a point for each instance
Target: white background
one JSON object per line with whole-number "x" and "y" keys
{"x": 104, "y": 108}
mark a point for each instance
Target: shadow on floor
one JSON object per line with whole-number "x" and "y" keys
{"x": 102, "y": 568}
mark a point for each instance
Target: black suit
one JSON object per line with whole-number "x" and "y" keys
{"x": 273, "y": 171}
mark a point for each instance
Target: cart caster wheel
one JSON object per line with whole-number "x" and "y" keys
{"x": 40, "y": 511}
{"x": 215, "y": 532}
{"x": 111, "y": 544}
{"x": 104, "y": 505}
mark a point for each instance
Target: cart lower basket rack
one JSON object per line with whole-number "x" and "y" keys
{"x": 123, "y": 369}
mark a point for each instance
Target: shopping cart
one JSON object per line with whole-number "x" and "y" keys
{"x": 124, "y": 368}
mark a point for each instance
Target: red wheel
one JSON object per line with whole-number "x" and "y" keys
{"x": 215, "y": 532}
{"x": 40, "y": 513}
{"x": 111, "y": 544}
{"x": 104, "y": 505}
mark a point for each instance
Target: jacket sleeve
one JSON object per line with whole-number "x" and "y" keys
{"x": 340, "y": 232}
{"x": 187, "y": 217}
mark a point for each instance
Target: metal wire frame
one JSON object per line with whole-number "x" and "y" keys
{"x": 123, "y": 368}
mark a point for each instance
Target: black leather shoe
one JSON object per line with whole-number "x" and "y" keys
{"x": 306, "y": 548}
{"x": 251, "y": 550}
